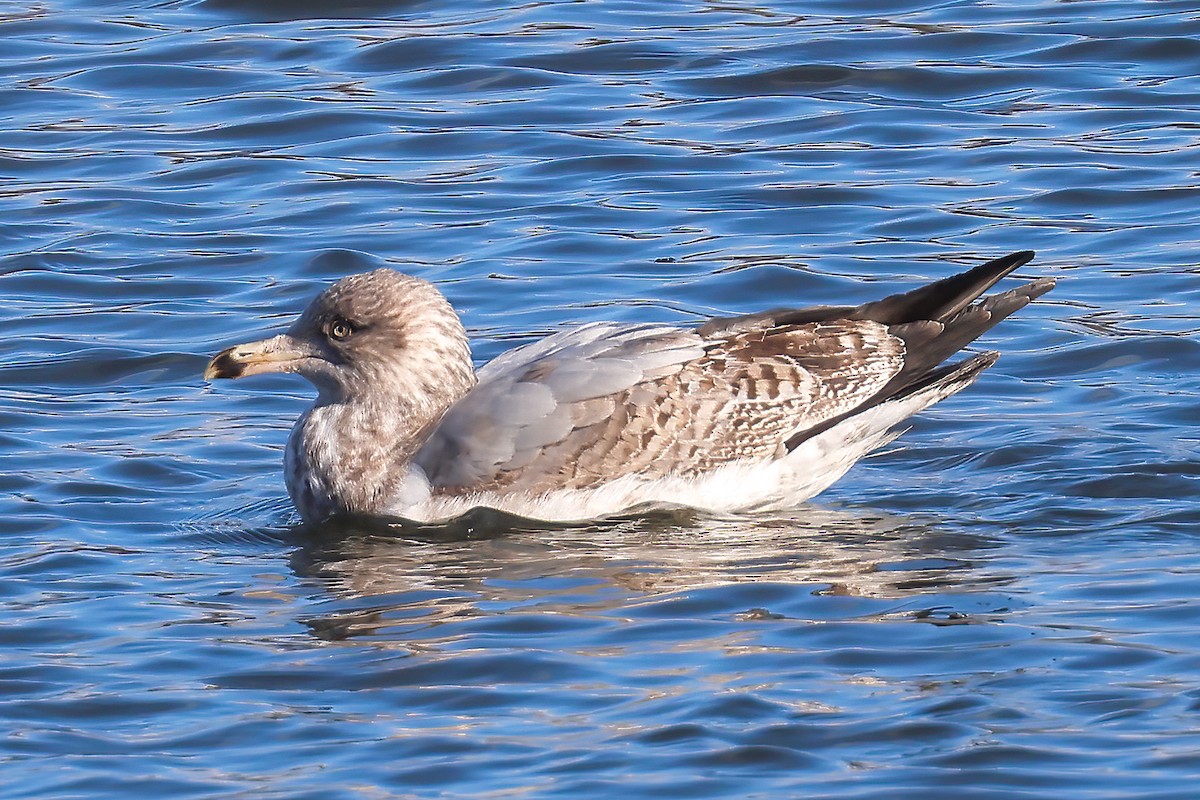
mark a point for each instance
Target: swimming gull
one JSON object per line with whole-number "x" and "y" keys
{"x": 760, "y": 411}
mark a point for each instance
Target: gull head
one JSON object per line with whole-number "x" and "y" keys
{"x": 376, "y": 332}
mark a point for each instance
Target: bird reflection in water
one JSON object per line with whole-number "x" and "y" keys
{"x": 386, "y": 580}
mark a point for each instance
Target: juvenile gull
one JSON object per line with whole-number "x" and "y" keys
{"x": 760, "y": 411}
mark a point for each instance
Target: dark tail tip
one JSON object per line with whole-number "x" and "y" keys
{"x": 960, "y": 373}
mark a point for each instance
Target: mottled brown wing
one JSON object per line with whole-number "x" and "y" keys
{"x": 654, "y": 402}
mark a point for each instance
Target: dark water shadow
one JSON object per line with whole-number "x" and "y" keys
{"x": 479, "y": 523}
{"x": 266, "y": 11}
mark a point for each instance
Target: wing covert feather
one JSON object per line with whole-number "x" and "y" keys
{"x": 538, "y": 395}
{"x": 583, "y": 407}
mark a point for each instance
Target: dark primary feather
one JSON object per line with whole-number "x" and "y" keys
{"x": 937, "y": 321}
{"x": 583, "y": 407}
{"x": 934, "y": 301}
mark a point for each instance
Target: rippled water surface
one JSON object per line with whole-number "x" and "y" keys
{"x": 1004, "y": 604}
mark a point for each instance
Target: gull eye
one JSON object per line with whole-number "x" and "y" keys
{"x": 340, "y": 330}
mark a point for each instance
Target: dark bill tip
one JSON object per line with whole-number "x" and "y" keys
{"x": 224, "y": 365}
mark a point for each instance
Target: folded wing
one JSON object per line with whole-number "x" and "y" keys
{"x": 584, "y": 407}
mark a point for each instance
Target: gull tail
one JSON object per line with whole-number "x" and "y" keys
{"x": 935, "y": 322}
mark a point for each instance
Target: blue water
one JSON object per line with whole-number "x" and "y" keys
{"x": 1004, "y": 604}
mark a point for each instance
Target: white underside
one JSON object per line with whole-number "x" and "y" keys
{"x": 741, "y": 486}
